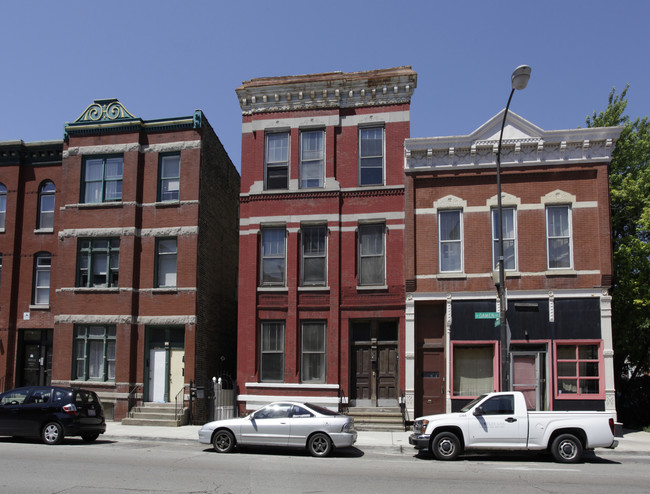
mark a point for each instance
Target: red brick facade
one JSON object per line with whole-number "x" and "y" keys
{"x": 356, "y": 320}
{"x": 559, "y": 267}
{"x": 116, "y": 303}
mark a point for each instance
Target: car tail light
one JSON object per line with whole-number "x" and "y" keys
{"x": 611, "y": 426}
{"x": 70, "y": 408}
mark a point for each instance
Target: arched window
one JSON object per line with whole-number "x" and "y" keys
{"x": 3, "y": 206}
{"x": 42, "y": 269}
{"x": 46, "y": 206}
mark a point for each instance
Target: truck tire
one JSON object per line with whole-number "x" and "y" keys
{"x": 566, "y": 448}
{"x": 446, "y": 446}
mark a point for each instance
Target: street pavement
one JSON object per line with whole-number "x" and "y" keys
{"x": 630, "y": 443}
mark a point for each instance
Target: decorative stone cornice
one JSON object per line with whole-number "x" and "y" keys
{"x": 327, "y": 90}
{"x": 523, "y": 144}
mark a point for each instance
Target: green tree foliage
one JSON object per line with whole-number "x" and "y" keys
{"x": 629, "y": 183}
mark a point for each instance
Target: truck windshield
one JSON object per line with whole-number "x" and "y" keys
{"x": 467, "y": 407}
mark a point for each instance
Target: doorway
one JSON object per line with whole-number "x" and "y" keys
{"x": 528, "y": 371}
{"x": 374, "y": 363}
{"x": 165, "y": 364}
{"x": 34, "y": 366}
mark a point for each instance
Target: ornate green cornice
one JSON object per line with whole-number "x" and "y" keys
{"x": 110, "y": 116}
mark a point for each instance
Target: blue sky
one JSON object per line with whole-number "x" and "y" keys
{"x": 165, "y": 58}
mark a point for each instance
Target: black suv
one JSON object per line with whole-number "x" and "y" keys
{"x": 51, "y": 412}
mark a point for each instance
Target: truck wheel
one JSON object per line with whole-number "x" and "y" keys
{"x": 446, "y": 446}
{"x": 566, "y": 448}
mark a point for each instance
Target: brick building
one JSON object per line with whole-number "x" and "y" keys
{"x": 321, "y": 285}
{"x": 129, "y": 283}
{"x": 558, "y": 265}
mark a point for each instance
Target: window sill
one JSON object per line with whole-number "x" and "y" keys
{"x": 451, "y": 276}
{"x": 284, "y": 385}
{"x": 561, "y": 272}
{"x": 164, "y": 289}
{"x": 323, "y": 288}
{"x": 98, "y": 289}
{"x": 576, "y": 396}
{"x": 167, "y": 204}
{"x": 39, "y": 307}
{"x": 366, "y": 288}
{"x": 39, "y": 231}
{"x": 88, "y": 382}
{"x": 272, "y": 289}
{"x": 96, "y": 205}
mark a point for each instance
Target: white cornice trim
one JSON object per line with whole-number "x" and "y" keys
{"x": 164, "y": 147}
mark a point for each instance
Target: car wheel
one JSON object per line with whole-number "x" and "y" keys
{"x": 52, "y": 433}
{"x": 90, "y": 437}
{"x": 566, "y": 448}
{"x": 223, "y": 441}
{"x": 446, "y": 446}
{"x": 319, "y": 445}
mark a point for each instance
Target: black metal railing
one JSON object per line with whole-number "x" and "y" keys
{"x": 402, "y": 407}
{"x": 179, "y": 402}
{"x": 343, "y": 402}
{"x": 132, "y": 399}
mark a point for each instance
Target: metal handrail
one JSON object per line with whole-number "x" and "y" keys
{"x": 343, "y": 403}
{"x": 178, "y": 413}
{"x": 132, "y": 400}
{"x": 402, "y": 406}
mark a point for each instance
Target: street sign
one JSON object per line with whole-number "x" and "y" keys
{"x": 488, "y": 315}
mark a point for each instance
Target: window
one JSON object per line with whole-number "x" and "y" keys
{"x": 499, "y": 405}
{"x": 272, "y": 352}
{"x": 166, "y": 262}
{"x": 42, "y": 268}
{"x": 46, "y": 206}
{"x": 578, "y": 370}
{"x": 273, "y": 260}
{"x": 473, "y": 368}
{"x": 277, "y": 161}
{"x": 558, "y": 237}
{"x": 314, "y": 255}
{"x": 98, "y": 262}
{"x": 102, "y": 179}
{"x": 94, "y": 353}
{"x": 509, "y": 237}
{"x": 313, "y": 352}
{"x": 372, "y": 265}
{"x": 311, "y": 159}
{"x": 451, "y": 241}
{"x": 169, "y": 173}
{"x": 3, "y": 206}
{"x": 371, "y": 156}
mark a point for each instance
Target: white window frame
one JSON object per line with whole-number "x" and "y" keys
{"x": 319, "y": 354}
{"x": 42, "y": 278}
{"x": 169, "y": 186}
{"x": 305, "y": 256}
{"x": 275, "y": 256}
{"x": 3, "y": 206}
{"x": 445, "y": 242}
{"x": 44, "y": 192}
{"x": 268, "y": 348}
{"x": 308, "y": 161}
{"x": 164, "y": 260}
{"x": 363, "y": 256}
{"x": 494, "y": 213}
{"x": 371, "y": 157}
{"x": 550, "y": 238}
{"x": 274, "y": 164}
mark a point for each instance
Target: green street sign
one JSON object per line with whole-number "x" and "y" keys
{"x": 488, "y": 315}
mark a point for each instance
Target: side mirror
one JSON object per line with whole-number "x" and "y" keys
{"x": 478, "y": 411}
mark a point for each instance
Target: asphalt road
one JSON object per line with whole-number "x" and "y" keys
{"x": 184, "y": 467}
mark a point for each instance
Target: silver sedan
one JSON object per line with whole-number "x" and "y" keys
{"x": 298, "y": 425}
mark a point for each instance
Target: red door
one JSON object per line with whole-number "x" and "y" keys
{"x": 433, "y": 381}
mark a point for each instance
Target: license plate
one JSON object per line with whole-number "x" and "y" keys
{"x": 91, "y": 412}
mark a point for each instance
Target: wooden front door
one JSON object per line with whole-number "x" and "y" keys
{"x": 433, "y": 381}
{"x": 375, "y": 364}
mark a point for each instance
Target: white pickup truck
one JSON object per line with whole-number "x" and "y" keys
{"x": 500, "y": 421}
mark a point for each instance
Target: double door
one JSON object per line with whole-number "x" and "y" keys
{"x": 35, "y": 358}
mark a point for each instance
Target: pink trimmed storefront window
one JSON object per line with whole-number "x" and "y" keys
{"x": 579, "y": 370}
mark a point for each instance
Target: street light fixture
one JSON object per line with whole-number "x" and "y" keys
{"x": 520, "y": 78}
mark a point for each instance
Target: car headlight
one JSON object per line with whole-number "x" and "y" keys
{"x": 420, "y": 426}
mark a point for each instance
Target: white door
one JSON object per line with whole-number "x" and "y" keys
{"x": 157, "y": 375}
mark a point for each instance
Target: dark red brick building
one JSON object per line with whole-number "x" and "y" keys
{"x": 321, "y": 284}
{"x": 558, "y": 266}
{"x": 124, "y": 279}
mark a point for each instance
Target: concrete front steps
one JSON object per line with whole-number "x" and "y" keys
{"x": 377, "y": 418}
{"x": 156, "y": 414}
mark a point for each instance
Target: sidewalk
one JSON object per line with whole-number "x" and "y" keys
{"x": 632, "y": 442}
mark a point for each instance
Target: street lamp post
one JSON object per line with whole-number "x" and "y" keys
{"x": 520, "y": 78}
